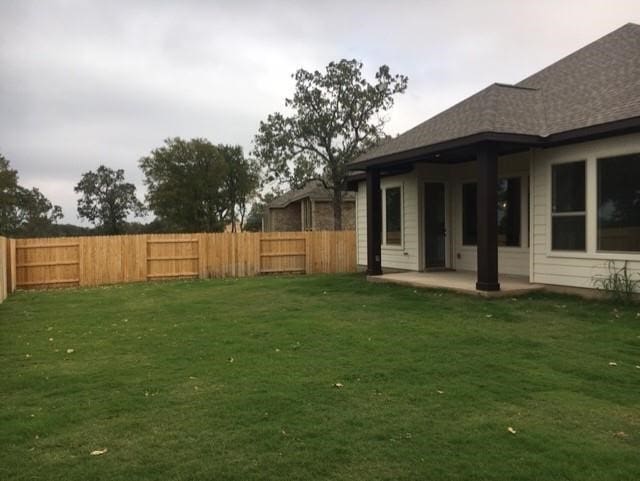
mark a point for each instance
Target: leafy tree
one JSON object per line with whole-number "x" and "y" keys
{"x": 335, "y": 117}
{"x": 107, "y": 200}
{"x": 254, "y": 218}
{"x": 8, "y": 188}
{"x": 196, "y": 186}
{"x": 184, "y": 182}
{"x": 23, "y": 212}
{"x": 35, "y": 213}
{"x": 240, "y": 183}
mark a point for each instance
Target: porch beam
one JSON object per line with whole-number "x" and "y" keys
{"x": 374, "y": 223}
{"x": 487, "y": 204}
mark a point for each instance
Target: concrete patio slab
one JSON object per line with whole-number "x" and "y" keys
{"x": 459, "y": 281}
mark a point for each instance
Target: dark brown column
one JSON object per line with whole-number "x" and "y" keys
{"x": 487, "y": 218}
{"x": 374, "y": 223}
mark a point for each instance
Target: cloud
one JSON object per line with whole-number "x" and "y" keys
{"x": 90, "y": 83}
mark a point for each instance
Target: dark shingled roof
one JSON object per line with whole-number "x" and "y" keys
{"x": 597, "y": 84}
{"x": 313, "y": 190}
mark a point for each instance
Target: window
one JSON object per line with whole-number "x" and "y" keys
{"x": 469, "y": 214}
{"x": 619, "y": 203}
{"x": 508, "y": 212}
{"x": 568, "y": 206}
{"x": 393, "y": 216}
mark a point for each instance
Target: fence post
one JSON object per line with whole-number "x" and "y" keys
{"x": 234, "y": 253}
{"x": 4, "y": 265}
{"x": 308, "y": 252}
{"x": 202, "y": 256}
{"x": 12, "y": 266}
{"x": 82, "y": 262}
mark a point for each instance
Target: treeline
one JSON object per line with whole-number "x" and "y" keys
{"x": 193, "y": 185}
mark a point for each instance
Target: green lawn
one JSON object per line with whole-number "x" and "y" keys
{"x": 235, "y": 380}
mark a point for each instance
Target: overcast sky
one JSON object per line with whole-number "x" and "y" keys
{"x": 104, "y": 82}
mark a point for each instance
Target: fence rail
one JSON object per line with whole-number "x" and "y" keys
{"x": 93, "y": 261}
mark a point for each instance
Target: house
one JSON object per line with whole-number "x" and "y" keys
{"x": 539, "y": 179}
{"x": 309, "y": 208}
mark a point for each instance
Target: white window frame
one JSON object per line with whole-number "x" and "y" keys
{"x": 394, "y": 185}
{"x": 551, "y": 214}
{"x": 597, "y": 160}
{"x": 588, "y": 151}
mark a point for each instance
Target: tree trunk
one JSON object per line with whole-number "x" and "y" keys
{"x": 233, "y": 218}
{"x": 337, "y": 209}
{"x": 243, "y": 209}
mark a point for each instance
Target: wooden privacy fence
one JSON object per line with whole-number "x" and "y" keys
{"x": 4, "y": 268}
{"x": 92, "y": 261}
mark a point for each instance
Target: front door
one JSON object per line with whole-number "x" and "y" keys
{"x": 435, "y": 225}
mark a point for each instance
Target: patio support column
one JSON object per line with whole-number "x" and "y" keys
{"x": 487, "y": 160}
{"x": 374, "y": 223}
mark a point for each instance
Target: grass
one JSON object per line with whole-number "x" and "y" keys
{"x": 235, "y": 380}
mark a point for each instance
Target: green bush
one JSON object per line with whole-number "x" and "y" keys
{"x": 619, "y": 283}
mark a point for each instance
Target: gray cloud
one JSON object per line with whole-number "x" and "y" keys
{"x": 85, "y": 83}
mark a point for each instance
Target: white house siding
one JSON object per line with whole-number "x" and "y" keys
{"x": 361, "y": 224}
{"x": 574, "y": 269}
{"x": 405, "y": 256}
{"x": 511, "y": 260}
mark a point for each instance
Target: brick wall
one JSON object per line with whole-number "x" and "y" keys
{"x": 323, "y": 216}
{"x": 284, "y": 219}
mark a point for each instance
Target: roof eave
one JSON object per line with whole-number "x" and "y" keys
{"x": 583, "y": 134}
{"x": 431, "y": 150}
{"x": 593, "y": 132}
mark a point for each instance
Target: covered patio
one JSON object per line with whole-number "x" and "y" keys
{"x": 459, "y": 281}
{"x": 484, "y": 152}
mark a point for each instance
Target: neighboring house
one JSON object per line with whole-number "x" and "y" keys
{"x": 309, "y": 208}
{"x": 538, "y": 179}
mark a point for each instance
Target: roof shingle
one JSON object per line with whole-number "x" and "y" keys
{"x": 597, "y": 84}
{"x": 313, "y": 190}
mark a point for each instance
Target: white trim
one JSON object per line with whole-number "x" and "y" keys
{"x": 589, "y": 153}
{"x": 591, "y": 205}
{"x": 447, "y": 223}
{"x": 550, "y": 215}
{"x": 532, "y": 213}
{"x": 602, "y": 256}
{"x": 392, "y": 185}
{"x": 626, "y": 255}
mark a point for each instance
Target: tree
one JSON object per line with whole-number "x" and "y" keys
{"x": 23, "y": 212}
{"x": 197, "y": 186}
{"x": 335, "y": 117}
{"x": 36, "y": 213}
{"x": 256, "y": 214}
{"x": 254, "y": 219}
{"x": 107, "y": 200}
{"x": 240, "y": 183}
{"x": 8, "y": 188}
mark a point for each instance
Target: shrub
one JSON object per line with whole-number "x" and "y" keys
{"x": 619, "y": 283}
